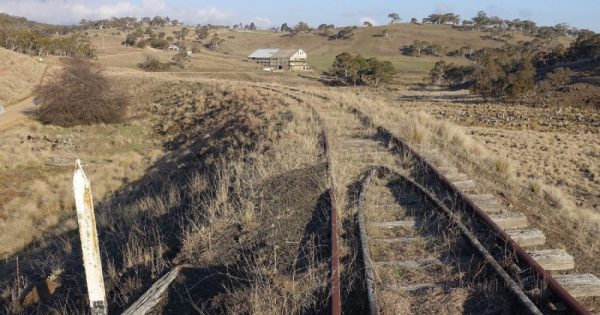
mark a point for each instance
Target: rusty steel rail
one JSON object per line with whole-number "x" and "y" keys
{"x": 570, "y": 302}
{"x": 513, "y": 287}
{"x": 364, "y": 244}
{"x": 336, "y": 296}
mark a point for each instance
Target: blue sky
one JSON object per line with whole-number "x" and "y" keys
{"x": 581, "y": 13}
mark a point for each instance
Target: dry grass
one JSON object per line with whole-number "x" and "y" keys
{"x": 418, "y": 127}
{"x": 39, "y": 160}
{"x": 207, "y": 171}
{"x": 322, "y": 51}
{"x": 239, "y": 156}
{"x": 226, "y": 62}
{"x": 18, "y": 75}
{"x": 564, "y": 160}
{"x": 565, "y": 223}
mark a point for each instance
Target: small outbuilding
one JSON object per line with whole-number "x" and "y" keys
{"x": 174, "y": 48}
{"x": 280, "y": 59}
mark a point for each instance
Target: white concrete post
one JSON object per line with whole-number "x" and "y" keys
{"x": 89, "y": 241}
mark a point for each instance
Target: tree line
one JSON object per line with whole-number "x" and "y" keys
{"x": 34, "y": 43}
{"x": 125, "y": 23}
{"x": 511, "y": 71}
{"x": 482, "y": 21}
{"x": 9, "y": 21}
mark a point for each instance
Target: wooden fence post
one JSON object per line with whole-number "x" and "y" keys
{"x": 89, "y": 241}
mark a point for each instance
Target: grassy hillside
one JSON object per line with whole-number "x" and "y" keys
{"x": 322, "y": 51}
{"x": 18, "y": 74}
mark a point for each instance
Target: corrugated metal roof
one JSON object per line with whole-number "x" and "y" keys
{"x": 285, "y": 53}
{"x": 263, "y": 53}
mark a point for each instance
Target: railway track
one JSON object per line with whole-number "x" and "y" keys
{"x": 414, "y": 257}
{"x": 430, "y": 240}
{"x": 417, "y": 248}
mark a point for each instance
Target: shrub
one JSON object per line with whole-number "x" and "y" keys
{"x": 450, "y": 74}
{"x": 159, "y": 43}
{"x": 180, "y": 59}
{"x": 152, "y": 64}
{"x": 503, "y": 74}
{"x": 559, "y": 77}
{"x": 142, "y": 43}
{"x": 79, "y": 95}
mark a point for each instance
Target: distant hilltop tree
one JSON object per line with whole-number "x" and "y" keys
{"x": 394, "y": 18}
{"x": 285, "y": 28}
{"x": 367, "y": 24}
{"x": 302, "y": 27}
{"x": 447, "y": 18}
{"x": 324, "y": 27}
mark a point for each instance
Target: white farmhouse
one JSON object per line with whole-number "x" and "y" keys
{"x": 280, "y": 59}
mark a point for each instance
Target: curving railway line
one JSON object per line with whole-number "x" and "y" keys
{"x": 429, "y": 233}
{"x": 424, "y": 238}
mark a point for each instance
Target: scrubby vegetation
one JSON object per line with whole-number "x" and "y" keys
{"x": 511, "y": 71}
{"x": 80, "y": 95}
{"x": 153, "y": 64}
{"x": 357, "y": 70}
{"x": 418, "y": 48}
{"x": 33, "y": 43}
{"x": 240, "y": 182}
{"x": 27, "y": 37}
{"x": 239, "y": 192}
{"x": 450, "y": 74}
{"x": 502, "y": 74}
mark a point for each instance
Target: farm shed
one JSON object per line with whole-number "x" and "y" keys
{"x": 280, "y": 59}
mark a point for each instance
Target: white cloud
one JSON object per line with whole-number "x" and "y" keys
{"x": 207, "y": 15}
{"x": 262, "y": 21}
{"x": 118, "y": 9}
{"x": 371, "y": 20}
{"x": 71, "y": 11}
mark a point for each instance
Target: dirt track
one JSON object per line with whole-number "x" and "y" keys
{"x": 16, "y": 112}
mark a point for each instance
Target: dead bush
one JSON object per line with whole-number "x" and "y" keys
{"x": 80, "y": 95}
